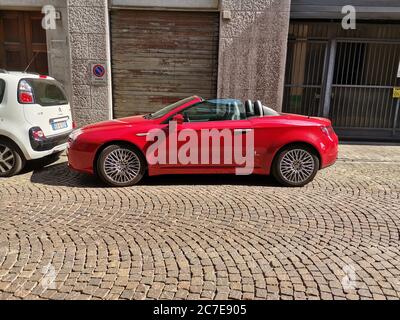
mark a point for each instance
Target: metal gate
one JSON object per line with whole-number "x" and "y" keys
{"x": 305, "y": 70}
{"x": 159, "y": 57}
{"x": 349, "y": 80}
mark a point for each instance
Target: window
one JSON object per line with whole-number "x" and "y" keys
{"x": 270, "y": 112}
{"x": 2, "y": 89}
{"x": 161, "y": 113}
{"x": 47, "y": 92}
{"x": 215, "y": 110}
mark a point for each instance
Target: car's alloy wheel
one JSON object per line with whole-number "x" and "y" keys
{"x": 120, "y": 166}
{"x": 296, "y": 166}
{"x": 10, "y": 161}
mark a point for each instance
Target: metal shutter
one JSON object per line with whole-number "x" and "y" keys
{"x": 159, "y": 57}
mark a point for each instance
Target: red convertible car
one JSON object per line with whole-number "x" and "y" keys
{"x": 196, "y": 136}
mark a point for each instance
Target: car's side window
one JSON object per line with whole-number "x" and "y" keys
{"x": 214, "y": 111}
{"x": 2, "y": 89}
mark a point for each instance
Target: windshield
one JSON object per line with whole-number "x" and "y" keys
{"x": 161, "y": 113}
{"x": 213, "y": 110}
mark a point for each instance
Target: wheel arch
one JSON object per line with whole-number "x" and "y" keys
{"x": 298, "y": 143}
{"x": 120, "y": 143}
{"x": 17, "y": 147}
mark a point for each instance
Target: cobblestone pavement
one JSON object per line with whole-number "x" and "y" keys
{"x": 62, "y": 235}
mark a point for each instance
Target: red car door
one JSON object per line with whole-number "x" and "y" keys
{"x": 215, "y": 138}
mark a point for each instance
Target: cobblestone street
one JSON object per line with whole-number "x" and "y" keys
{"x": 65, "y": 236}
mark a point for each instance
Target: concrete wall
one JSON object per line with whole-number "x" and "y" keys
{"x": 253, "y": 46}
{"x": 57, "y": 47}
{"x": 89, "y": 43}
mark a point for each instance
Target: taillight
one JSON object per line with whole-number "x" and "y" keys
{"x": 74, "y": 125}
{"x": 37, "y": 138}
{"x": 25, "y": 97}
{"x": 37, "y": 134}
{"x": 25, "y": 94}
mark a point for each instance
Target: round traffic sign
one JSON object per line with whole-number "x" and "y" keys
{"x": 99, "y": 70}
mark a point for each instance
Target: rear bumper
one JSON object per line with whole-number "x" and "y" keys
{"x": 34, "y": 155}
{"x": 49, "y": 143}
{"x": 330, "y": 154}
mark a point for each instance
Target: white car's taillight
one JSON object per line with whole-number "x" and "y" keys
{"x": 25, "y": 93}
{"x": 37, "y": 133}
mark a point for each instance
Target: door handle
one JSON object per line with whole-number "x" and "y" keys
{"x": 242, "y": 131}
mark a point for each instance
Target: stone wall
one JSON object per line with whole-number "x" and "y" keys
{"x": 253, "y": 46}
{"x": 88, "y": 41}
{"x": 57, "y": 48}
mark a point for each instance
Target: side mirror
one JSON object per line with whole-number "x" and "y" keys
{"x": 178, "y": 118}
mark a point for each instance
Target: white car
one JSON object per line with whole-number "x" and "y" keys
{"x": 35, "y": 119}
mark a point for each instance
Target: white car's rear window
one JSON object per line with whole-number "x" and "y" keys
{"x": 47, "y": 92}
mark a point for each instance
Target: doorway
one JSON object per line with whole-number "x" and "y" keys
{"x": 23, "y": 42}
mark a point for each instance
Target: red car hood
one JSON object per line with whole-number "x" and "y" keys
{"x": 116, "y": 123}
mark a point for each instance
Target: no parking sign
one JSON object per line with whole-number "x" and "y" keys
{"x": 98, "y": 73}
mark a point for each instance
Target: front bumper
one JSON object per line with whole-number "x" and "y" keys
{"x": 81, "y": 156}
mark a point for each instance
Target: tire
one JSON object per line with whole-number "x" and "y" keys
{"x": 120, "y": 166}
{"x": 295, "y": 166}
{"x": 11, "y": 161}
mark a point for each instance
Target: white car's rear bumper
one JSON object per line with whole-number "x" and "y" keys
{"x": 41, "y": 154}
{"x": 47, "y": 146}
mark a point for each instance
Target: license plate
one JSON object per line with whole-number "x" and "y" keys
{"x": 59, "y": 125}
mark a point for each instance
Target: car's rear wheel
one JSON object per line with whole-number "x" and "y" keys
{"x": 11, "y": 162}
{"x": 120, "y": 166}
{"x": 295, "y": 166}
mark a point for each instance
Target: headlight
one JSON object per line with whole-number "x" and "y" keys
{"x": 75, "y": 134}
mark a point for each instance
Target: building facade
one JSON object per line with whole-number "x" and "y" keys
{"x": 347, "y": 75}
{"x": 293, "y": 55}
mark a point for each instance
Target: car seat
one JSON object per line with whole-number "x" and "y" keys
{"x": 258, "y": 108}
{"x": 249, "y": 108}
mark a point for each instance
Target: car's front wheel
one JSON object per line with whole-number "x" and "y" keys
{"x": 11, "y": 162}
{"x": 295, "y": 166}
{"x": 120, "y": 166}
